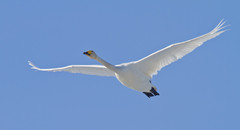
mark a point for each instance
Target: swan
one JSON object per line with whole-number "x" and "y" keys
{"x": 137, "y": 75}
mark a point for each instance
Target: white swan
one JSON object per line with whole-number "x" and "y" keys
{"x": 137, "y": 75}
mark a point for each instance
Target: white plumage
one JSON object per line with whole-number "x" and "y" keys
{"x": 98, "y": 70}
{"x": 137, "y": 75}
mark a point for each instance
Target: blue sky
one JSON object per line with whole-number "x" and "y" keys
{"x": 200, "y": 91}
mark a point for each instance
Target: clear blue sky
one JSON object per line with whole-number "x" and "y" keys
{"x": 198, "y": 92}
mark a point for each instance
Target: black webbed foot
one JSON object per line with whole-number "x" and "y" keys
{"x": 154, "y": 92}
{"x": 148, "y": 94}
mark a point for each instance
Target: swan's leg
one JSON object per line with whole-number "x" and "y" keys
{"x": 148, "y": 94}
{"x": 154, "y": 91}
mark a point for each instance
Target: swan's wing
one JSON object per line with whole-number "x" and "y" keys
{"x": 84, "y": 69}
{"x": 154, "y": 62}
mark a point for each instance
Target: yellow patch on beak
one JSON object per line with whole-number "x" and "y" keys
{"x": 88, "y": 53}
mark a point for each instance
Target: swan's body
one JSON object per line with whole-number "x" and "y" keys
{"x": 131, "y": 77}
{"x": 137, "y": 75}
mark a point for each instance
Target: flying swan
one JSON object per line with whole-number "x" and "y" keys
{"x": 137, "y": 74}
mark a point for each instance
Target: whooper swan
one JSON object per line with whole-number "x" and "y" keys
{"x": 137, "y": 75}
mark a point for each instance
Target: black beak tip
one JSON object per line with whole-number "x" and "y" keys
{"x": 84, "y": 53}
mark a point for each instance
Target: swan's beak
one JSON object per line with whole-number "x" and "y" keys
{"x": 86, "y": 53}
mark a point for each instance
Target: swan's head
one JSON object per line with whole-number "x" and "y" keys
{"x": 91, "y": 54}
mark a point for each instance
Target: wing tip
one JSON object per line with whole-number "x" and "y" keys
{"x": 32, "y": 65}
{"x": 220, "y": 27}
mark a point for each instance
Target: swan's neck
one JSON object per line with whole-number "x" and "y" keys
{"x": 106, "y": 64}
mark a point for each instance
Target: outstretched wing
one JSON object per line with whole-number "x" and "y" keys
{"x": 154, "y": 62}
{"x": 84, "y": 69}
